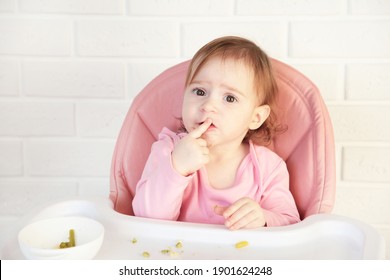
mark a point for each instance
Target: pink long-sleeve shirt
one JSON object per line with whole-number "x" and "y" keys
{"x": 163, "y": 193}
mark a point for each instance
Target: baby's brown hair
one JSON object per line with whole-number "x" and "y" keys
{"x": 237, "y": 48}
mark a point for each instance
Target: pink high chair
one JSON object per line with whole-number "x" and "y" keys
{"x": 307, "y": 146}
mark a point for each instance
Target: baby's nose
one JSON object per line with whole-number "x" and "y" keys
{"x": 209, "y": 105}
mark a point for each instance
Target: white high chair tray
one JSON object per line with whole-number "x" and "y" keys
{"x": 320, "y": 236}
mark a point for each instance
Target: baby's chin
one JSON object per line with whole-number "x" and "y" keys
{"x": 209, "y": 139}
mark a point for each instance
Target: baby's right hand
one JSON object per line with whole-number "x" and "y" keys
{"x": 191, "y": 152}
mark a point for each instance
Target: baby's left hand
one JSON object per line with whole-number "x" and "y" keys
{"x": 245, "y": 213}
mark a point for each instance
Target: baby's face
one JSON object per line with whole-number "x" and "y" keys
{"x": 222, "y": 91}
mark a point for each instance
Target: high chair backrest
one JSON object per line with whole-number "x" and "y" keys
{"x": 307, "y": 146}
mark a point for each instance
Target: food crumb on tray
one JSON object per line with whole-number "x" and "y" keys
{"x": 241, "y": 244}
{"x": 170, "y": 251}
{"x": 179, "y": 245}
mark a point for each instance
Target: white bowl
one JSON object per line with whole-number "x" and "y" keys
{"x": 40, "y": 240}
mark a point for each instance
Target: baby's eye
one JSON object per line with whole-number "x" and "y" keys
{"x": 199, "y": 92}
{"x": 230, "y": 98}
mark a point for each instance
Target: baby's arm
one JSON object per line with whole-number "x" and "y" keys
{"x": 277, "y": 202}
{"x": 159, "y": 192}
{"x": 167, "y": 173}
{"x": 275, "y": 208}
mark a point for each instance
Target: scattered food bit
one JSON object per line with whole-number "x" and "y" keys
{"x": 241, "y": 244}
{"x": 179, "y": 244}
{"x": 72, "y": 241}
{"x": 64, "y": 245}
{"x": 173, "y": 254}
{"x": 170, "y": 252}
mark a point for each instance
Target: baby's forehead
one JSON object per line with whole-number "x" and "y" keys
{"x": 227, "y": 59}
{"x": 238, "y": 64}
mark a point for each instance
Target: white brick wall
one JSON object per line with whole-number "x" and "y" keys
{"x": 36, "y": 118}
{"x": 70, "y": 68}
{"x": 34, "y": 36}
{"x": 340, "y": 38}
{"x": 73, "y": 79}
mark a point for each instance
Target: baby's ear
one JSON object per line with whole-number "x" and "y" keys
{"x": 260, "y": 114}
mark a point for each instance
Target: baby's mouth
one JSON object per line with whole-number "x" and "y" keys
{"x": 211, "y": 125}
